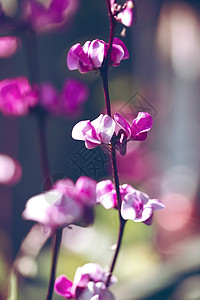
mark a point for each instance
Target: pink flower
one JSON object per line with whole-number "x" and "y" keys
{"x": 125, "y": 14}
{"x": 8, "y": 46}
{"x": 64, "y": 204}
{"x": 99, "y": 131}
{"x": 91, "y": 55}
{"x": 68, "y": 102}
{"x": 50, "y": 16}
{"x": 89, "y": 283}
{"x": 17, "y": 96}
{"x": 136, "y": 205}
{"x": 137, "y": 131}
{"x": 10, "y": 170}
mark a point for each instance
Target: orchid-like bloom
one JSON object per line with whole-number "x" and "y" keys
{"x": 91, "y": 55}
{"x": 66, "y": 203}
{"x": 96, "y": 132}
{"x": 8, "y": 46}
{"x": 52, "y": 15}
{"x": 89, "y": 284}
{"x": 136, "y": 205}
{"x": 68, "y": 102}
{"x": 17, "y": 96}
{"x": 136, "y": 132}
{"x": 125, "y": 14}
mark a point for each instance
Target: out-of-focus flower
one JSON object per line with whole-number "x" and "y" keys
{"x": 10, "y": 170}
{"x": 53, "y": 15}
{"x": 68, "y": 102}
{"x": 66, "y": 203}
{"x": 137, "y": 131}
{"x": 99, "y": 131}
{"x": 125, "y": 14}
{"x": 89, "y": 284}
{"x": 17, "y": 96}
{"x": 8, "y": 46}
{"x": 135, "y": 205}
{"x": 91, "y": 55}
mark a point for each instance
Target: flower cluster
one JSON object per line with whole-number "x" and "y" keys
{"x": 17, "y": 96}
{"x": 101, "y": 130}
{"x": 66, "y": 203}
{"x": 92, "y": 54}
{"x": 68, "y": 102}
{"x": 89, "y": 283}
{"x": 135, "y": 205}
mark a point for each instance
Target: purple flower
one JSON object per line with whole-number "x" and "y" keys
{"x": 99, "y": 131}
{"x": 137, "y": 131}
{"x": 50, "y": 16}
{"x": 136, "y": 205}
{"x": 68, "y": 102}
{"x": 91, "y": 55}
{"x": 64, "y": 204}
{"x": 125, "y": 14}
{"x": 89, "y": 284}
{"x": 17, "y": 96}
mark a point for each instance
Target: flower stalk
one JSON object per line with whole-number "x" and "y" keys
{"x": 104, "y": 75}
{"x": 32, "y": 58}
{"x": 56, "y": 249}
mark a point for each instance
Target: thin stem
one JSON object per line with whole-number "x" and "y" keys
{"x": 104, "y": 75}
{"x": 121, "y": 231}
{"x": 111, "y": 37}
{"x": 43, "y": 152}
{"x": 32, "y": 57}
{"x": 56, "y": 249}
{"x": 116, "y": 178}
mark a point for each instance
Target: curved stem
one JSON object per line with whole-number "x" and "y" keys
{"x": 56, "y": 249}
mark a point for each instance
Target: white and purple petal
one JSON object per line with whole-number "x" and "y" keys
{"x": 141, "y": 125}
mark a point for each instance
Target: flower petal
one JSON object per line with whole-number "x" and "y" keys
{"x": 131, "y": 206}
{"x": 105, "y": 127}
{"x": 37, "y": 206}
{"x": 156, "y": 204}
{"x": 123, "y": 124}
{"x": 76, "y": 54}
{"x": 63, "y": 287}
{"x": 80, "y": 129}
{"x": 86, "y": 190}
{"x": 126, "y": 16}
{"x": 118, "y": 42}
{"x": 106, "y": 194}
{"x": 96, "y": 53}
{"x": 145, "y": 214}
{"x": 141, "y": 124}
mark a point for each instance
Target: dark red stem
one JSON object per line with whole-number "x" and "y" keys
{"x": 104, "y": 75}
